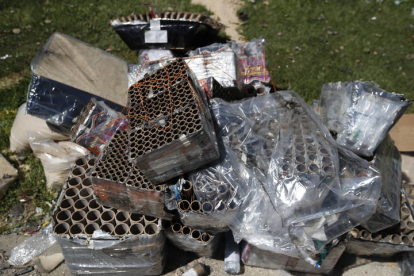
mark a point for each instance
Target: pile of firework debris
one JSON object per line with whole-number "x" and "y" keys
{"x": 194, "y": 144}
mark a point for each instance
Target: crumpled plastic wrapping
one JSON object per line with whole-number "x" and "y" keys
{"x": 96, "y": 124}
{"x": 32, "y": 247}
{"x": 251, "y": 62}
{"x": 141, "y": 255}
{"x": 388, "y": 161}
{"x": 56, "y": 157}
{"x": 203, "y": 222}
{"x": 360, "y": 113}
{"x": 188, "y": 243}
{"x": 294, "y": 189}
{"x": 406, "y": 264}
{"x": 148, "y": 55}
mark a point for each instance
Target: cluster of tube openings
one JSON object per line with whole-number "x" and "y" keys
{"x": 179, "y": 228}
{"x": 80, "y": 213}
{"x": 405, "y": 235}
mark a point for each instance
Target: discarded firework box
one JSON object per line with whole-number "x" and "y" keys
{"x": 216, "y": 62}
{"x": 387, "y": 242}
{"x": 171, "y": 130}
{"x": 188, "y": 239}
{"x": 96, "y": 125}
{"x": 360, "y": 113}
{"x": 120, "y": 184}
{"x": 388, "y": 161}
{"x": 96, "y": 239}
{"x": 67, "y": 73}
{"x": 193, "y": 213}
{"x": 169, "y": 30}
{"x": 253, "y": 256}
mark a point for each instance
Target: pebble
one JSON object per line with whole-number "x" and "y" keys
{"x": 17, "y": 31}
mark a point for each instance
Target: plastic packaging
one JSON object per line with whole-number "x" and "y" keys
{"x": 56, "y": 157}
{"x": 360, "y": 113}
{"x": 32, "y": 247}
{"x": 252, "y": 66}
{"x": 169, "y": 30}
{"x": 406, "y": 264}
{"x": 388, "y": 161}
{"x": 202, "y": 243}
{"x": 148, "y": 55}
{"x": 171, "y": 130}
{"x": 289, "y": 183}
{"x": 96, "y": 124}
{"x": 24, "y": 123}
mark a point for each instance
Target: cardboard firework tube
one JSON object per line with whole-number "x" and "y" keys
{"x": 86, "y": 193}
{"x": 221, "y": 206}
{"x": 121, "y": 229}
{"x": 91, "y": 162}
{"x": 78, "y": 217}
{"x": 87, "y": 182}
{"x": 300, "y": 168}
{"x": 166, "y": 224}
{"x": 405, "y": 212}
{"x": 136, "y": 218}
{"x": 62, "y": 228}
{"x": 184, "y": 205}
{"x": 300, "y": 159}
{"x": 376, "y": 237}
{"x": 79, "y": 172}
{"x": 75, "y": 182}
{"x": 205, "y": 237}
{"x": 176, "y": 228}
{"x": 366, "y": 235}
{"x": 313, "y": 168}
{"x": 66, "y": 204}
{"x": 395, "y": 239}
{"x": 122, "y": 217}
{"x": 207, "y": 207}
{"x": 108, "y": 217}
{"x": 136, "y": 229}
{"x": 82, "y": 162}
{"x": 72, "y": 193}
{"x": 63, "y": 216}
{"x": 195, "y": 206}
{"x": 81, "y": 205}
{"x": 108, "y": 228}
{"x": 196, "y": 234}
{"x": 149, "y": 219}
{"x": 94, "y": 205}
{"x": 93, "y": 216}
{"x": 107, "y": 208}
{"x": 405, "y": 240}
{"x": 158, "y": 188}
{"x": 90, "y": 228}
{"x": 409, "y": 227}
{"x": 186, "y": 230}
{"x": 232, "y": 205}
{"x": 77, "y": 228}
{"x": 223, "y": 192}
{"x": 151, "y": 229}
{"x": 187, "y": 188}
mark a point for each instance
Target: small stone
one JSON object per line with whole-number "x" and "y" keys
{"x": 375, "y": 53}
{"x": 279, "y": 33}
{"x": 47, "y": 21}
{"x": 110, "y": 48}
{"x": 341, "y": 47}
{"x": 17, "y": 31}
{"x": 336, "y": 51}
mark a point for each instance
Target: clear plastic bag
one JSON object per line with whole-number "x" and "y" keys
{"x": 148, "y": 55}
{"x": 360, "y": 113}
{"x": 95, "y": 126}
{"x": 32, "y": 247}
{"x": 388, "y": 161}
{"x": 294, "y": 189}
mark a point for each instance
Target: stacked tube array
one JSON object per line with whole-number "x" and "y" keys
{"x": 179, "y": 228}
{"x": 80, "y": 213}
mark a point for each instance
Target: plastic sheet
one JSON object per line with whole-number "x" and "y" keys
{"x": 360, "y": 113}
{"x": 292, "y": 185}
{"x": 170, "y": 30}
{"x": 57, "y": 103}
{"x": 388, "y": 161}
{"x": 32, "y": 247}
{"x": 148, "y": 55}
{"x": 406, "y": 264}
{"x": 188, "y": 243}
{"x": 141, "y": 255}
{"x": 96, "y": 124}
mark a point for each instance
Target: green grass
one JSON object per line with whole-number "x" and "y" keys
{"x": 310, "y": 43}
{"x": 85, "y": 20}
